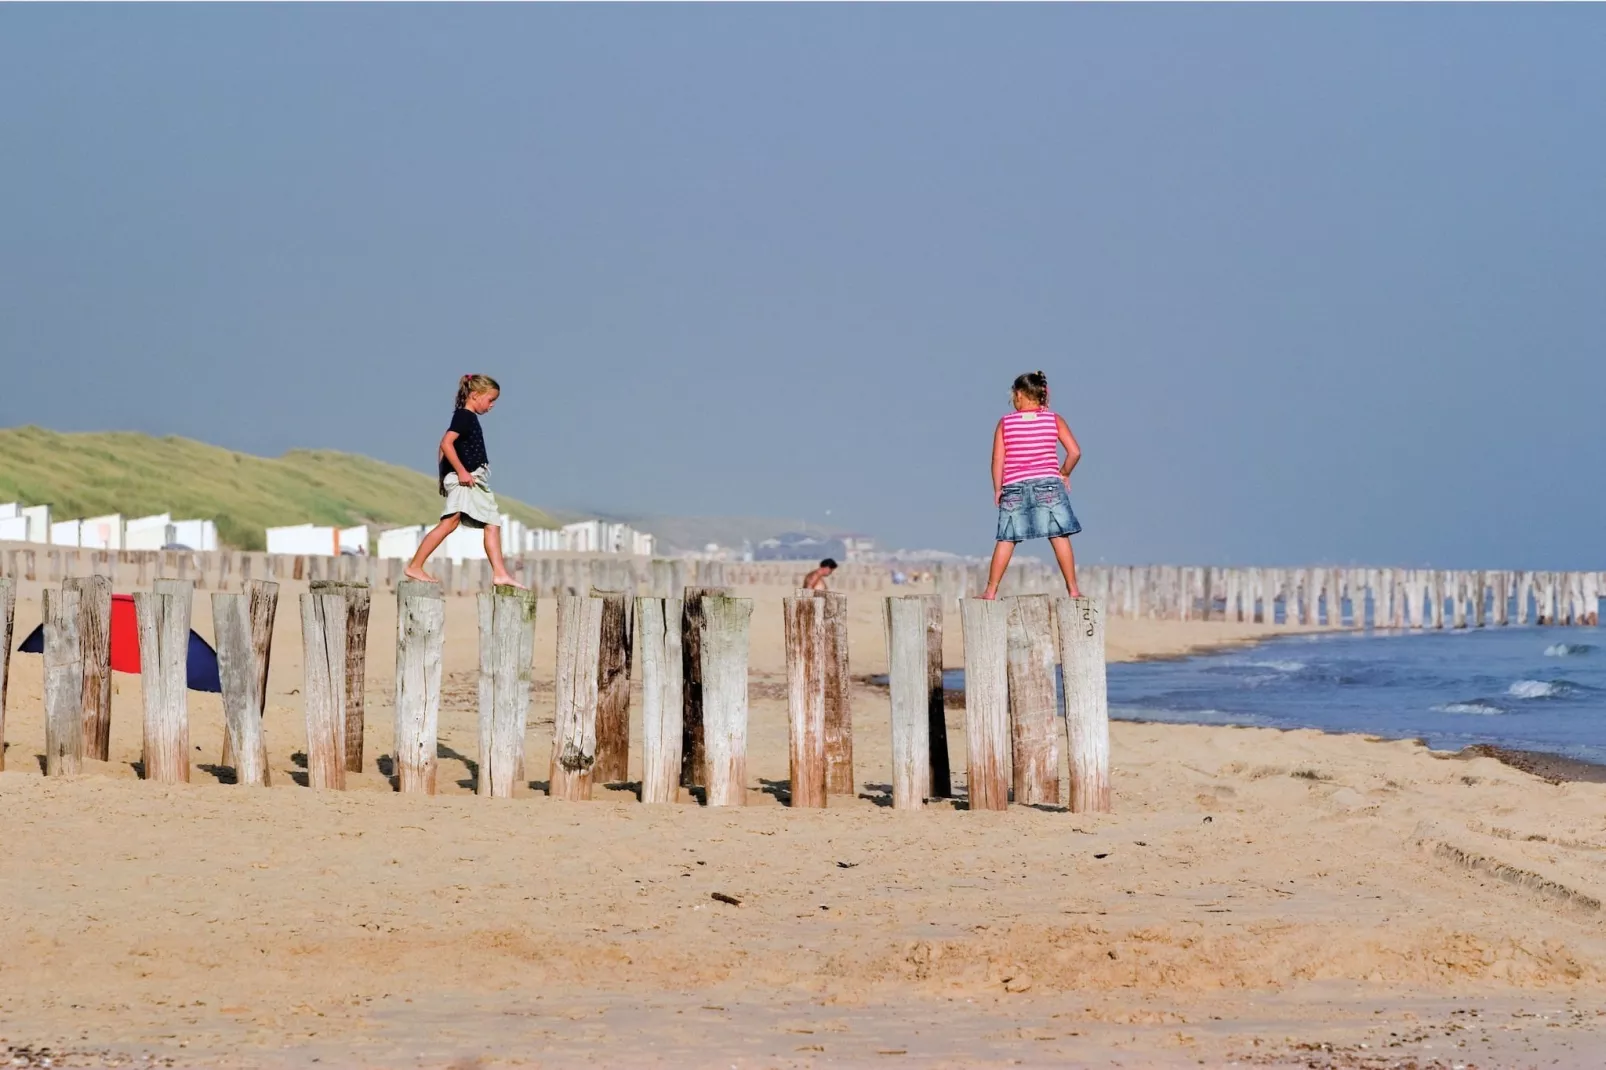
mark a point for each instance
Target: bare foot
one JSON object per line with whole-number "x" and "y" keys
{"x": 416, "y": 572}
{"x": 1075, "y": 593}
{"x": 503, "y": 579}
{"x": 989, "y": 596}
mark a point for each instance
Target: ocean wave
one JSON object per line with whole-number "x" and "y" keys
{"x": 1540, "y": 689}
{"x": 1279, "y": 666}
{"x": 1568, "y": 650}
{"x": 1480, "y": 706}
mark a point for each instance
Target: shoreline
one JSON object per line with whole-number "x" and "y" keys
{"x": 1548, "y": 766}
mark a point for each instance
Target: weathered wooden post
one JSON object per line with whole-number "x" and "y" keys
{"x": 838, "y": 695}
{"x": 1457, "y": 583}
{"x": 908, "y": 672}
{"x": 1087, "y": 715}
{"x": 986, "y": 627}
{"x": 658, "y": 624}
{"x": 1032, "y": 705}
{"x": 357, "y": 597}
{"x": 64, "y": 683}
{"x": 420, "y": 637}
{"x": 262, "y": 601}
{"x": 507, "y": 661}
{"x": 95, "y": 638}
{"x": 804, "y": 627}
{"x": 613, "y": 688}
{"x": 8, "y": 618}
{"x": 238, "y": 670}
{"x": 163, "y": 617}
{"x": 724, "y": 678}
{"x": 941, "y": 783}
{"x": 323, "y": 694}
{"x": 574, "y": 722}
{"x": 693, "y": 757}
{"x": 1436, "y": 585}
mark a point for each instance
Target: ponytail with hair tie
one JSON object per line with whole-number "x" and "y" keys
{"x": 473, "y": 384}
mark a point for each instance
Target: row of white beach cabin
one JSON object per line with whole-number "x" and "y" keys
{"x": 468, "y": 544}
{"x": 464, "y": 544}
{"x": 32, "y": 523}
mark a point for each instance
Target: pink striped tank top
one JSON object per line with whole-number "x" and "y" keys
{"x": 1031, "y": 445}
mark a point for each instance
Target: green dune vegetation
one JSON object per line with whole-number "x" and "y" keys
{"x": 92, "y": 474}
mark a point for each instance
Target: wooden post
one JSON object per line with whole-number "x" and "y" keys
{"x": 838, "y": 695}
{"x": 1032, "y": 705}
{"x": 613, "y": 688}
{"x": 986, "y": 627}
{"x": 8, "y": 618}
{"x": 941, "y": 783}
{"x": 804, "y": 629}
{"x": 724, "y": 655}
{"x": 908, "y": 669}
{"x": 95, "y": 637}
{"x": 574, "y": 723}
{"x": 164, "y": 650}
{"x": 658, "y": 620}
{"x": 507, "y": 664}
{"x": 357, "y": 597}
{"x": 1087, "y": 715}
{"x": 323, "y": 694}
{"x": 693, "y": 756}
{"x": 239, "y": 671}
{"x": 420, "y": 637}
{"x": 64, "y": 683}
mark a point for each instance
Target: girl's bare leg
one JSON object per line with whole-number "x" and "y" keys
{"x": 1002, "y": 552}
{"x": 1067, "y": 560}
{"x": 415, "y": 567}
{"x": 493, "y": 550}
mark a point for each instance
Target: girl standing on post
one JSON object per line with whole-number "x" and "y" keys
{"x": 465, "y": 482}
{"x": 1031, "y": 485}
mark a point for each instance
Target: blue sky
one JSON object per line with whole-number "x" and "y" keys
{"x": 1311, "y": 283}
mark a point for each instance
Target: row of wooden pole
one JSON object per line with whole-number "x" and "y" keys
{"x": 1315, "y": 595}
{"x": 1331, "y": 596}
{"x": 694, "y": 662}
{"x": 548, "y": 573}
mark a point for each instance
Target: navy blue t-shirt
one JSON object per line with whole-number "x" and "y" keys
{"x": 470, "y": 442}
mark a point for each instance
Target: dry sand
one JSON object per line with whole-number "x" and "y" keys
{"x": 1257, "y": 898}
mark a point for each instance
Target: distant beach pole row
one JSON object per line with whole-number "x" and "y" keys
{"x": 1392, "y": 598}
{"x": 694, "y": 661}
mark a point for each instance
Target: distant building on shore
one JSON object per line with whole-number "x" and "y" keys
{"x": 33, "y": 523}
{"x": 799, "y": 546}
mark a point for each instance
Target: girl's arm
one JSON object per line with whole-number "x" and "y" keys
{"x": 449, "y": 450}
{"x": 1073, "y": 452}
{"x": 998, "y": 462}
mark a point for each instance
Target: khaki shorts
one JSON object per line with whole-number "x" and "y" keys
{"x": 476, "y": 504}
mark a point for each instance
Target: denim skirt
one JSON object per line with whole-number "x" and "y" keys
{"x": 1035, "y": 509}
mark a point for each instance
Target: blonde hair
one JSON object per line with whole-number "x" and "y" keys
{"x": 1033, "y": 386}
{"x": 474, "y": 384}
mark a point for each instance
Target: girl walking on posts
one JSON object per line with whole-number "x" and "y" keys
{"x": 465, "y": 482}
{"x": 1031, "y": 485}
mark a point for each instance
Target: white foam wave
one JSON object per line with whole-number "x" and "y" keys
{"x": 1538, "y": 689}
{"x": 1476, "y": 706}
{"x": 1567, "y": 650}
{"x": 1279, "y": 666}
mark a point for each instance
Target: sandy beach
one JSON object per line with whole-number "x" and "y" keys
{"x": 1257, "y": 898}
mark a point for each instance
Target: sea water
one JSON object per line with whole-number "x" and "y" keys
{"x": 1540, "y": 689}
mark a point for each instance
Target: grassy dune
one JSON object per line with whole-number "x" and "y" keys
{"x": 90, "y": 474}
